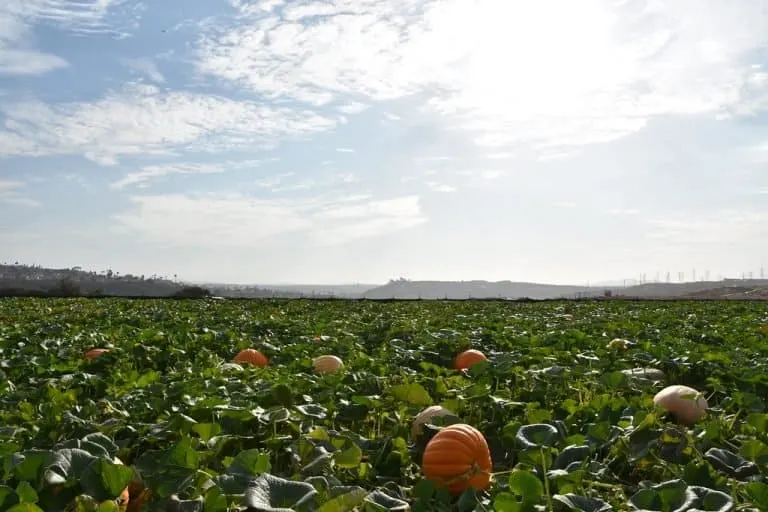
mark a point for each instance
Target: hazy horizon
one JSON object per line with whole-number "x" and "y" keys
{"x": 243, "y": 141}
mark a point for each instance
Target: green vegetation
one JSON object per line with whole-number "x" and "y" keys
{"x": 566, "y": 428}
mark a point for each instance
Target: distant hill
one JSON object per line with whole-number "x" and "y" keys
{"x": 405, "y": 289}
{"x": 19, "y": 279}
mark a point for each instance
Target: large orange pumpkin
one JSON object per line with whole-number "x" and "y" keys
{"x": 458, "y": 458}
{"x": 251, "y": 356}
{"x": 95, "y": 352}
{"x": 327, "y": 364}
{"x": 468, "y": 358}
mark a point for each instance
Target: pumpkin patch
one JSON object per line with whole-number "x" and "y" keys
{"x": 360, "y": 407}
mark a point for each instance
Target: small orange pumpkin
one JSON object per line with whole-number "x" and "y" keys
{"x": 468, "y": 358}
{"x": 458, "y": 458}
{"x": 251, "y": 356}
{"x": 327, "y": 364}
{"x": 95, "y": 352}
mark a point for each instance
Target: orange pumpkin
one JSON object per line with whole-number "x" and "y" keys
{"x": 95, "y": 352}
{"x": 468, "y": 358}
{"x": 251, "y": 356}
{"x": 327, "y": 364}
{"x": 458, "y": 458}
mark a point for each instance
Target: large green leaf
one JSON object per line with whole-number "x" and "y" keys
{"x": 269, "y": 493}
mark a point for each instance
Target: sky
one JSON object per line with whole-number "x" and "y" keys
{"x": 343, "y": 141}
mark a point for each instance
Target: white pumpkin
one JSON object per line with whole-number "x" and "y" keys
{"x": 687, "y": 404}
{"x": 619, "y": 343}
{"x": 327, "y": 364}
{"x": 426, "y": 416}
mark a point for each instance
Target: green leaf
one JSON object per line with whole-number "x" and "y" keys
{"x": 349, "y": 456}
{"x": 344, "y": 502}
{"x": 183, "y": 455}
{"x": 67, "y": 465}
{"x": 313, "y": 411}
{"x": 26, "y": 493}
{"x": 215, "y": 501}
{"x": 250, "y": 462}
{"x": 206, "y": 431}
{"x": 730, "y": 463}
{"x": 270, "y": 493}
{"x": 28, "y": 464}
{"x": 386, "y": 502}
{"x": 573, "y": 502}
{"x": 526, "y": 484}
{"x": 98, "y": 438}
{"x": 114, "y": 477}
{"x": 413, "y": 394}
{"x": 712, "y": 500}
{"x": 467, "y": 501}
{"x": 25, "y": 507}
{"x": 537, "y": 435}
{"x": 8, "y": 497}
{"x": 758, "y": 492}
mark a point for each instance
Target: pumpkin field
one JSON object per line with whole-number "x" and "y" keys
{"x": 332, "y": 406}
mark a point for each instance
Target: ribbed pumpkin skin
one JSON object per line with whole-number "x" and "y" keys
{"x": 95, "y": 352}
{"x": 458, "y": 458}
{"x": 327, "y": 364}
{"x": 468, "y": 358}
{"x": 251, "y": 356}
{"x": 426, "y": 416}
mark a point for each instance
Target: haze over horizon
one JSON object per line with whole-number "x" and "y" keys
{"x": 347, "y": 141}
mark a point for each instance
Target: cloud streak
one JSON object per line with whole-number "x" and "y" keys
{"x": 248, "y": 222}
{"x": 83, "y": 17}
{"x": 143, "y": 120}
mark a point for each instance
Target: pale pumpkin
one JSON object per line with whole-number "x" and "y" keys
{"x": 251, "y": 356}
{"x": 458, "y": 458}
{"x": 468, "y": 358}
{"x": 327, "y": 364}
{"x": 95, "y": 352}
{"x": 619, "y": 343}
{"x": 426, "y": 416}
{"x": 685, "y": 403}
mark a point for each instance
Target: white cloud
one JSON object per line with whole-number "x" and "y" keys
{"x": 345, "y": 150}
{"x": 151, "y": 172}
{"x": 241, "y": 221}
{"x": 623, "y": 211}
{"x": 441, "y": 187}
{"x": 719, "y": 229}
{"x": 353, "y": 107}
{"x": 146, "y": 67}
{"x": 10, "y": 194}
{"x": 84, "y": 17}
{"x": 142, "y": 119}
{"x": 547, "y": 74}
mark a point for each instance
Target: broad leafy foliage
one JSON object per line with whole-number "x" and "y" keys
{"x": 167, "y": 415}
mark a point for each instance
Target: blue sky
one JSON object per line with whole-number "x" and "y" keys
{"x": 343, "y": 141}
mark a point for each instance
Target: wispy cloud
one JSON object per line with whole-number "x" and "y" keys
{"x": 719, "y": 228}
{"x": 146, "y": 67}
{"x": 243, "y": 221}
{"x": 151, "y": 172}
{"x": 345, "y": 150}
{"x": 142, "y": 120}
{"x": 18, "y": 55}
{"x": 625, "y": 64}
{"x": 441, "y": 187}
{"x": 11, "y": 193}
